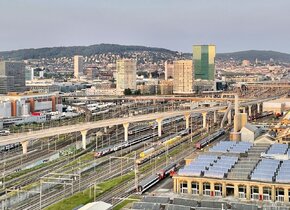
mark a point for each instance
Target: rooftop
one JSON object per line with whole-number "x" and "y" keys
{"x": 242, "y": 161}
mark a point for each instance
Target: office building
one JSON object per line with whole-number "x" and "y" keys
{"x": 126, "y": 74}
{"x": 29, "y": 73}
{"x": 12, "y": 77}
{"x": 183, "y": 76}
{"x": 204, "y": 62}
{"x": 168, "y": 70}
{"x": 78, "y": 66}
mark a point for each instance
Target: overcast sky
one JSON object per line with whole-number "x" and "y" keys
{"x": 232, "y": 25}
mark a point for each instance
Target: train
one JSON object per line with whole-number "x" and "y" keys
{"x": 138, "y": 130}
{"x": 168, "y": 142}
{"x": 153, "y": 179}
{"x": 8, "y": 147}
{"x": 258, "y": 116}
{"x": 154, "y": 125}
{"x": 202, "y": 143}
{"x": 167, "y": 121}
{"x": 107, "y": 150}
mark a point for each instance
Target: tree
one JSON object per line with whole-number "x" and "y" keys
{"x": 137, "y": 92}
{"x": 127, "y": 92}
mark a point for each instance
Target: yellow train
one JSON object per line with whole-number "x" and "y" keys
{"x": 171, "y": 141}
{"x": 153, "y": 151}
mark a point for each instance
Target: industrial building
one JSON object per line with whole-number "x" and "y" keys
{"x": 27, "y": 103}
{"x": 243, "y": 170}
{"x": 249, "y": 133}
{"x": 277, "y": 106}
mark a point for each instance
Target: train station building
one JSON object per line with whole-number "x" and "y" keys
{"x": 241, "y": 170}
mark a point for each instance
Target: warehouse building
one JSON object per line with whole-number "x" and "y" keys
{"x": 277, "y": 106}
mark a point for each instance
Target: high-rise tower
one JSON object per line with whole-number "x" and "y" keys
{"x": 78, "y": 66}
{"x": 204, "y": 62}
{"x": 126, "y": 74}
{"x": 183, "y": 76}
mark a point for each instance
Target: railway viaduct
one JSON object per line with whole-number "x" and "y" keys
{"x": 24, "y": 138}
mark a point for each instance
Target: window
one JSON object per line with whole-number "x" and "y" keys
{"x": 267, "y": 192}
{"x": 183, "y": 187}
{"x": 218, "y": 190}
{"x": 206, "y": 189}
{"x": 242, "y": 191}
{"x": 280, "y": 194}
{"x": 254, "y": 193}
{"x": 195, "y": 188}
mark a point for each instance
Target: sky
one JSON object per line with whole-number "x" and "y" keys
{"x": 232, "y": 25}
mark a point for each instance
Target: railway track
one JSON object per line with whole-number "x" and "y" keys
{"x": 96, "y": 178}
{"x": 89, "y": 178}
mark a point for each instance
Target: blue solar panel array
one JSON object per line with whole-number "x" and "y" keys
{"x": 222, "y": 146}
{"x": 221, "y": 167}
{"x": 196, "y": 167}
{"x": 280, "y": 149}
{"x": 209, "y": 166}
{"x": 241, "y": 147}
{"x": 231, "y": 147}
{"x": 265, "y": 170}
{"x": 283, "y": 175}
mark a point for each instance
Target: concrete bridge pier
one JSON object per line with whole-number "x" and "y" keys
{"x": 259, "y": 108}
{"x": 187, "y": 116}
{"x": 230, "y": 117}
{"x": 24, "y": 147}
{"x": 84, "y": 138}
{"x": 204, "y": 119}
{"x": 126, "y": 128}
{"x": 159, "y": 121}
{"x": 250, "y": 110}
{"x": 244, "y": 109}
{"x": 214, "y": 117}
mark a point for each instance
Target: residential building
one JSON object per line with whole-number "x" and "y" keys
{"x": 166, "y": 87}
{"x": 78, "y": 66}
{"x": 12, "y": 77}
{"x": 91, "y": 73}
{"x": 204, "y": 62}
{"x": 183, "y": 76}
{"x": 126, "y": 74}
{"x": 168, "y": 70}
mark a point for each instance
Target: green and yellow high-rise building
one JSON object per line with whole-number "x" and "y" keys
{"x": 204, "y": 62}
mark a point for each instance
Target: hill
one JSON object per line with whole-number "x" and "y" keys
{"x": 55, "y": 52}
{"x": 252, "y": 55}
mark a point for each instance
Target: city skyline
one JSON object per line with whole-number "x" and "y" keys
{"x": 230, "y": 25}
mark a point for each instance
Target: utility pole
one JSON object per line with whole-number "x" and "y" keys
{"x": 136, "y": 171}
